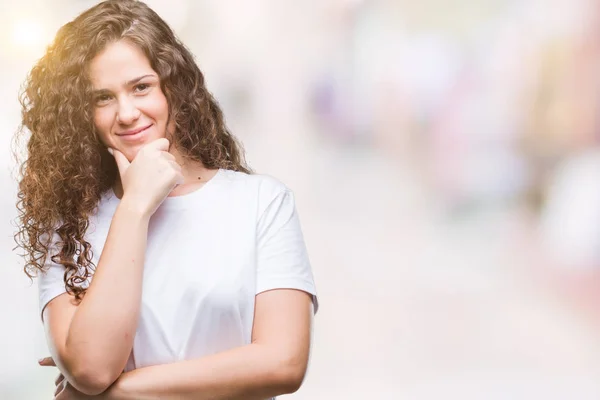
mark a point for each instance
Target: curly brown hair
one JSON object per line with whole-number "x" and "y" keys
{"x": 67, "y": 169}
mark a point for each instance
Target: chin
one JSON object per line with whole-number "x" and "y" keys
{"x": 129, "y": 151}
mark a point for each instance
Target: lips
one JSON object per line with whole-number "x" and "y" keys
{"x": 135, "y": 131}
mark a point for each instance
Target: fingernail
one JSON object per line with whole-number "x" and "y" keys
{"x": 110, "y": 151}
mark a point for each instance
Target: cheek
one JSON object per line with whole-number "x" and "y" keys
{"x": 160, "y": 107}
{"x": 103, "y": 123}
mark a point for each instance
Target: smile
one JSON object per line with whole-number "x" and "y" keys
{"x": 133, "y": 132}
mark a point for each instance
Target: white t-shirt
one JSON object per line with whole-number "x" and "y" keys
{"x": 208, "y": 254}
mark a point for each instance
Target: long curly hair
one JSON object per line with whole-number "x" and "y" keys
{"x": 66, "y": 169}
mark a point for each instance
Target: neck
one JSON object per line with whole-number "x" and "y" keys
{"x": 193, "y": 171}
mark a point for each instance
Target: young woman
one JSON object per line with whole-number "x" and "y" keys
{"x": 166, "y": 269}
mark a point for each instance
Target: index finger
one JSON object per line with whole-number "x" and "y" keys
{"x": 159, "y": 144}
{"x": 122, "y": 162}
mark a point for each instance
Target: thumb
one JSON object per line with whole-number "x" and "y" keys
{"x": 122, "y": 162}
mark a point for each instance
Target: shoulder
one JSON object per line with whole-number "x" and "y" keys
{"x": 262, "y": 185}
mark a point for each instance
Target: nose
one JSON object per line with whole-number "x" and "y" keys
{"x": 127, "y": 113}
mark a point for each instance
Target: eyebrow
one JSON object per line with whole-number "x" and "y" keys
{"x": 136, "y": 80}
{"x": 128, "y": 83}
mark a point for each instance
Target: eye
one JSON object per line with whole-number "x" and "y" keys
{"x": 102, "y": 99}
{"x": 141, "y": 87}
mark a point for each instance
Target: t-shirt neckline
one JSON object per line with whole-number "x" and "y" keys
{"x": 184, "y": 199}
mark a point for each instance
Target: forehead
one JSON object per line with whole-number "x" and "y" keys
{"x": 116, "y": 64}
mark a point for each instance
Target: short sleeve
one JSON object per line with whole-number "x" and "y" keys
{"x": 282, "y": 259}
{"x": 50, "y": 281}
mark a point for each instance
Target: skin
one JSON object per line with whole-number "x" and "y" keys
{"x": 127, "y": 96}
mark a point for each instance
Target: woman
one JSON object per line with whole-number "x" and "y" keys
{"x": 201, "y": 286}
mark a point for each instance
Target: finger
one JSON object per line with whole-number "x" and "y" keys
{"x": 168, "y": 156}
{"x": 122, "y": 162}
{"x": 180, "y": 179}
{"x": 175, "y": 165}
{"x": 59, "y": 389}
{"x": 161, "y": 144}
{"x": 59, "y": 379}
{"x": 47, "y": 362}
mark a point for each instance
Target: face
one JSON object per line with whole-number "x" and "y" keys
{"x": 130, "y": 109}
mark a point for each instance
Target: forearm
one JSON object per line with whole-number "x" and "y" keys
{"x": 101, "y": 333}
{"x": 252, "y": 372}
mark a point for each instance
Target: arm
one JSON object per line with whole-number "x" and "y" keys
{"x": 273, "y": 364}
{"x": 91, "y": 342}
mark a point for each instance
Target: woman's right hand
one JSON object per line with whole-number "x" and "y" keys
{"x": 150, "y": 177}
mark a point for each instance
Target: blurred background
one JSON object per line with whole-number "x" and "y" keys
{"x": 445, "y": 155}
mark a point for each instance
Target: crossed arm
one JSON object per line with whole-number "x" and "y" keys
{"x": 273, "y": 364}
{"x": 91, "y": 354}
